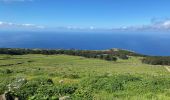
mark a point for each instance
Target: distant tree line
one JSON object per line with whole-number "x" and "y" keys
{"x": 156, "y": 60}
{"x": 110, "y": 55}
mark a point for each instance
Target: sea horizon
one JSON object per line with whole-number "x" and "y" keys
{"x": 148, "y": 44}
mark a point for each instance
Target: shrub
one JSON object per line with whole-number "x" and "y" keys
{"x": 3, "y": 84}
{"x": 38, "y": 89}
{"x": 70, "y": 75}
{"x": 65, "y": 89}
{"x": 83, "y": 94}
{"x": 8, "y": 71}
{"x": 156, "y": 60}
{"x": 109, "y": 83}
{"x": 123, "y": 57}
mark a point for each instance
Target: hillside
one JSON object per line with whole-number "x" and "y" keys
{"x": 36, "y": 77}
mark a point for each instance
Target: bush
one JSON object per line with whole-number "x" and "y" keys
{"x": 83, "y": 94}
{"x": 8, "y": 71}
{"x": 109, "y": 83}
{"x": 3, "y": 84}
{"x": 70, "y": 75}
{"x": 156, "y": 60}
{"x": 110, "y": 58}
{"x": 38, "y": 89}
{"x": 125, "y": 57}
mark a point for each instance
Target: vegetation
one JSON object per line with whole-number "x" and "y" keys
{"x": 63, "y": 75}
{"x": 110, "y": 55}
{"x": 157, "y": 60}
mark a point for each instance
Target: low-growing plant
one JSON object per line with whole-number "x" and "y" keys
{"x": 83, "y": 94}
{"x": 8, "y": 71}
{"x": 71, "y": 75}
{"x": 109, "y": 83}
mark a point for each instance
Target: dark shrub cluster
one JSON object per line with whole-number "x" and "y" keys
{"x": 8, "y": 71}
{"x": 156, "y": 60}
{"x": 110, "y": 55}
{"x": 71, "y": 75}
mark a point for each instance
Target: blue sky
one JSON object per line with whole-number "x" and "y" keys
{"x": 85, "y": 14}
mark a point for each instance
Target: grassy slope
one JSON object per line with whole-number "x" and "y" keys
{"x": 59, "y": 67}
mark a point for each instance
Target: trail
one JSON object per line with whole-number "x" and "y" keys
{"x": 167, "y": 68}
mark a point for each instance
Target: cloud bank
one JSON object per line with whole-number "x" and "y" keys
{"x": 155, "y": 25}
{"x": 14, "y": 0}
{"x": 14, "y": 26}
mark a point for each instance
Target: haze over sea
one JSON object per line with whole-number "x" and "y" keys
{"x": 149, "y": 44}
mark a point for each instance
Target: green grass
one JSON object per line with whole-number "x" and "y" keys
{"x": 94, "y": 79}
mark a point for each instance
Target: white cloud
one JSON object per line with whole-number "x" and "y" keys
{"x": 156, "y": 25}
{"x": 15, "y": 26}
{"x": 15, "y": 0}
{"x": 160, "y": 25}
{"x": 28, "y": 25}
{"x": 92, "y": 27}
{"x": 11, "y": 1}
{"x": 1, "y": 23}
{"x": 164, "y": 24}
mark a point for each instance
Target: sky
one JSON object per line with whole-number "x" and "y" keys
{"x": 85, "y": 15}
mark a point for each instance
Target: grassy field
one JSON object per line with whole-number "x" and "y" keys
{"x": 84, "y": 79}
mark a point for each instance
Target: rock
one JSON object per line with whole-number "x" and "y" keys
{"x": 7, "y": 96}
{"x": 2, "y": 97}
{"x": 16, "y": 98}
{"x": 65, "y": 98}
{"x": 61, "y": 81}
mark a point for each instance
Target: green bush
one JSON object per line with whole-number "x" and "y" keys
{"x": 70, "y": 75}
{"x": 125, "y": 57}
{"x": 156, "y": 60}
{"x": 8, "y": 71}
{"x": 83, "y": 94}
{"x": 4, "y": 82}
{"x": 43, "y": 88}
{"x": 109, "y": 83}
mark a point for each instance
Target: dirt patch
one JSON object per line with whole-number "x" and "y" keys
{"x": 167, "y": 68}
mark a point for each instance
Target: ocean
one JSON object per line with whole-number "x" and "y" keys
{"x": 145, "y": 43}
